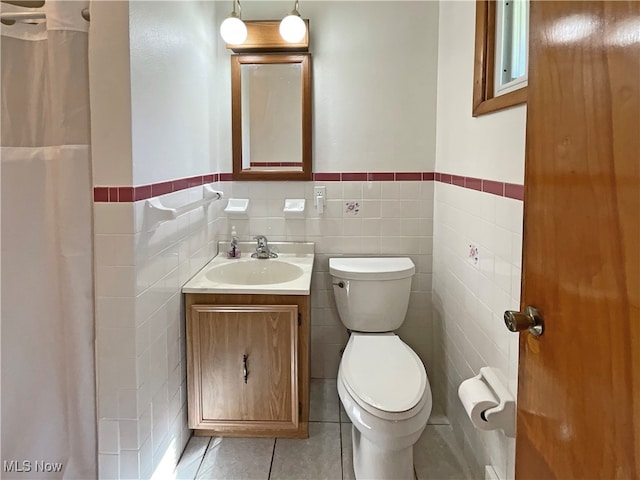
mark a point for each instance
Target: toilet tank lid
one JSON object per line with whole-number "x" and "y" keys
{"x": 371, "y": 268}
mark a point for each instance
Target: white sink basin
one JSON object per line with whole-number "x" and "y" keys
{"x": 289, "y": 274}
{"x": 256, "y": 272}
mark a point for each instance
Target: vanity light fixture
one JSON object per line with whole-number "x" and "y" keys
{"x": 292, "y": 27}
{"x": 233, "y": 30}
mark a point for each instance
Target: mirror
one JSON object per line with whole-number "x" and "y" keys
{"x": 271, "y": 116}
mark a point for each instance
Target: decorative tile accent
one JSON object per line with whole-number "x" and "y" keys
{"x": 496, "y": 188}
{"x": 514, "y": 191}
{"x": 144, "y": 192}
{"x": 351, "y": 208}
{"x": 408, "y": 176}
{"x": 101, "y": 194}
{"x": 326, "y": 177}
{"x": 473, "y": 183}
{"x": 457, "y": 180}
{"x": 502, "y": 189}
{"x": 127, "y": 194}
{"x": 381, "y": 176}
{"x": 474, "y": 255}
{"x": 354, "y": 177}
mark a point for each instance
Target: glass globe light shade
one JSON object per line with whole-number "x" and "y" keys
{"x": 292, "y": 28}
{"x": 233, "y": 30}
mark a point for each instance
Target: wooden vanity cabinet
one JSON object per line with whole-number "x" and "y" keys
{"x": 248, "y": 365}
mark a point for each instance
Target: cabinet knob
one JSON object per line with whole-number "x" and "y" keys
{"x": 245, "y": 371}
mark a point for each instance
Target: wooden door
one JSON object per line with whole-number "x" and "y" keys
{"x": 579, "y": 383}
{"x": 244, "y": 367}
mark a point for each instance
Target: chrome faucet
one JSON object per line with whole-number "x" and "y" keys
{"x": 262, "y": 250}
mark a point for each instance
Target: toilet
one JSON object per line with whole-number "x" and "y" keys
{"x": 382, "y": 383}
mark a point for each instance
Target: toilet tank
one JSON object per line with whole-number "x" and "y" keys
{"x": 372, "y": 293}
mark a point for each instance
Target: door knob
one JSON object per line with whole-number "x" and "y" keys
{"x": 529, "y": 320}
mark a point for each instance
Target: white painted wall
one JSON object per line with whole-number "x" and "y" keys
{"x": 490, "y": 146}
{"x": 469, "y": 301}
{"x": 171, "y": 51}
{"x": 110, "y": 93}
{"x": 374, "y": 83}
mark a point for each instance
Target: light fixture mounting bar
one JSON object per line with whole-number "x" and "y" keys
{"x": 264, "y": 36}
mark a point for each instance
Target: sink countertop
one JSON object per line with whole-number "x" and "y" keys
{"x": 300, "y": 254}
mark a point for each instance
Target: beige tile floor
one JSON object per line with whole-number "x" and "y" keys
{"x": 325, "y": 455}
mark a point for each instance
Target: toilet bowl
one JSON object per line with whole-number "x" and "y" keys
{"x": 382, "y": 383}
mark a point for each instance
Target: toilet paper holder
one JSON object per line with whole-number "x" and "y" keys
{"x": 501, "y": 414}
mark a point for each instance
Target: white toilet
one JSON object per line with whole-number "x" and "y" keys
{"x": 382, "y": 382}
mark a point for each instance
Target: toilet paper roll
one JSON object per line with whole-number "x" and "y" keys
{"x": 477, "y": 397}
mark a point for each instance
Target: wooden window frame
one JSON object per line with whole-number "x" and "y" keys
{"x": 484, "y": 100}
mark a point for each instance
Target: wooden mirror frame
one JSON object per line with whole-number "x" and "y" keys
{"x": 304, "y": 59}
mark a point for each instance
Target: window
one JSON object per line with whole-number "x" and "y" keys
{"x": 500, "y": 73}
{"x": 512, "y": 22}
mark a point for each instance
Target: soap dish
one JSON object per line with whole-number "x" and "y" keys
{"x": 294, "y": 207}
{"x": 237, "y": 207}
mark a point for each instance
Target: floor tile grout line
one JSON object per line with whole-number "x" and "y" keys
{"x": 341, "y": 454}
{"x": 202, "y": 458}
{"x": 273, "y": 454}
{"x": 340, "y": 431}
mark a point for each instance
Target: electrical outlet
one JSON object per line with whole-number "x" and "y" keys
{"x": 319, "y": 198}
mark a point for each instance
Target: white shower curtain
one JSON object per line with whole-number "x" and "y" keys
{"x": 47, "y": 330}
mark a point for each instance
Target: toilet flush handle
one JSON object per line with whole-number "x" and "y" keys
{"x": 339, "y": 284}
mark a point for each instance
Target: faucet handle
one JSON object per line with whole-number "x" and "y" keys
{"x": 262, "y": 240}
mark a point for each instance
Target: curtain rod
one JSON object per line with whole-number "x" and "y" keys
{"x": 9, "y": 18}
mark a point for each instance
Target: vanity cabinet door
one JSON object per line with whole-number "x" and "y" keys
{"x": 243, "y": 368}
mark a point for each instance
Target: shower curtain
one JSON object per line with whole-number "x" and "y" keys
{"x": 47, "y": 330}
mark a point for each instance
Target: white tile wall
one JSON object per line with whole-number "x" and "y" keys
{"x": 141, "y": 370}
{"x": 140, "y": 325}
{"x": 394, "y": 218}
{"x": 469, "y": 302}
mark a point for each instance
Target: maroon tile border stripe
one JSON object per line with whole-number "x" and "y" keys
{"x": 143, "y": 192}
{"x": 501, "y": 189}
{"x": 513, "y": 190}
{"x": 372, "y": 176}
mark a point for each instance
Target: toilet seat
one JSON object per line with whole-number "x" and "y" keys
{"x": 384, "y": 375}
